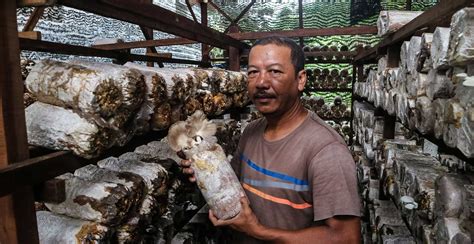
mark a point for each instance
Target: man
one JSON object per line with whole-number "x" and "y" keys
{"x": 298, "y": 174}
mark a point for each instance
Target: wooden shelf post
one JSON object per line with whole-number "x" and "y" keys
{"x": 17, "y": 213}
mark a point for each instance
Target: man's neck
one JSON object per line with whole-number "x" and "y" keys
{"x": 280, "y": 126}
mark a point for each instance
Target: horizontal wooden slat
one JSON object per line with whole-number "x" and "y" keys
{"x": 39, "y": 169}
{"x": 330, "y": 53}
{"x": 442, "y": 147}
{"x": 35, "y": 3}
{"x": 160, "y": 55}
{"x": 308, "y": 32}
{"x": 34, "y": 35}
{"x": 59, "y": 48}
{"x": 155, "y": 17}
{"x": 328, "y": 90}
{"x": 357, "y": 30}
{"x": 435, "y": 16}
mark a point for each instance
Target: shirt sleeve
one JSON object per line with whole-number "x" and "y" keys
{"x": 333, "y": 178}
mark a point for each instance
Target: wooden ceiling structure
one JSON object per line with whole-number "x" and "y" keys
{"x": 24, "y": 173}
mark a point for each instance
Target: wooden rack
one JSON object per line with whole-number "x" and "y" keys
{"x": 442, "y": 147}
{"x": 438, "y": 15}
{"x": 20, "y": 174}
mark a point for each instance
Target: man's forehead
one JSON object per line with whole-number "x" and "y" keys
{"x": 270, "y": 46}
{"x": 270, "y": 51}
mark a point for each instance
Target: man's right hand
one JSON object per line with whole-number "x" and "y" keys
{"x": 186, "y": 168}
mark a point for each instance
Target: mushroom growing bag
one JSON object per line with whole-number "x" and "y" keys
{"x": 214, "y": 175}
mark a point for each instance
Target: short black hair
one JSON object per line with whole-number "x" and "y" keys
{"x": 297, "y": 54}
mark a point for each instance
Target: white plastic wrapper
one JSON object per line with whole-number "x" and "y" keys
{"x": 103, "y": 202}
{"x": 424, "y": 115}
{"x": 439, "y": 105}
{"x": 461, "y": 40}
{"x": 390, "y": 21}
{"x": 61, "y": 129}
{"x": 423, "y": 58}
{"x": 215, "y": 177}
{"x": 55, "y": 228}
{"x": 108, "y": 94}
{"x": 404, "y": 55}
{"x": 439, "y": 48}
{"x": 439, "y": 85}
{"x": 413, "y": 49}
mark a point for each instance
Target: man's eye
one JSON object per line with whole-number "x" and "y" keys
{"x": 274, "y": 71}
{"x": 252, "y": 73}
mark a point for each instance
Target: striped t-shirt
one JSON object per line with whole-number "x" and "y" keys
{"x": 307, "y": 176}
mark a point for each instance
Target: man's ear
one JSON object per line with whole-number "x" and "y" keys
{"x": 301, "y": 78}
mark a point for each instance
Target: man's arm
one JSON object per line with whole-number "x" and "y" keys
{"x": 338, "y": 229}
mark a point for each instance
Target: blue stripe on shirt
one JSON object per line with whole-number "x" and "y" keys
{"x": 273, "y": 173}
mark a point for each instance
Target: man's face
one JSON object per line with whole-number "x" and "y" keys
{"x": 272, "y": 84}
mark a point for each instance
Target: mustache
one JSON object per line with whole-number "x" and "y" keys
{"x": 263, "y": 94}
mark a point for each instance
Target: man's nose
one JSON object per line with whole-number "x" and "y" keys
{"x": 263, "y": 81}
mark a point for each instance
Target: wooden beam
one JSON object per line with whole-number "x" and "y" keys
{"x": 53, "y": 191}
{"x": 204, "y": 48}
{"x": 234, "y": 55}
{"x": 34, "y": 18}
{"x": 17, "y": 213}
{"x": 145, "y": 44}
{"x": 36, "y": 170}
{"x": 157, "y": 18}
{"x": 308, "y": 32}
{"x": 190, "y": 8}
{"x": 408, "y": 5}
{"x": 300, "y": 19}
{"x": 59, "y": 48}
{"x": 330, "y": 53}
{"x": 436, "y": 14}
{"x": 148, "y": 33}
{"x": 220, "y": 11}
{"x": 34, "y": 35}
{"x": 35, "y": 3}
{"x": 160, "y": 55}
{"x": 236, "y": 20}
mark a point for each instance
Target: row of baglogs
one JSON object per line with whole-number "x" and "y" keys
{"x": 88, "y": 107}
{"x": 336, "y": 110}
{"x": 408, "y": 196}
{"x": 135, "y": 197}
{"x": 335, "y": 51}
{"x": 432, "y": 89}
{"x": 326, "y": 78}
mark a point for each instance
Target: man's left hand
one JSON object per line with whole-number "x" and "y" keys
{"x": 245, "y": 221}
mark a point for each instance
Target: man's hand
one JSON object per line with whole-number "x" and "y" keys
{"x": 186, "y": 168}
{"x": 338, "y": 229}
{"x": 245, "y": 221}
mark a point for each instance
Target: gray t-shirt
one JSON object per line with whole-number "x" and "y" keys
{"x": 305, "y": 177}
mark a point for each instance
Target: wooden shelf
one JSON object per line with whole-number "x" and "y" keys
{"x": 427, "y": 21}
{"x": 322, "y": 61}
{"x": 41, "y": 168}
{"x": 59, "y": 48}
{"x": 337, "y": 119}
{"x": 442, "y": 147}
{"x": 327, "y": 90}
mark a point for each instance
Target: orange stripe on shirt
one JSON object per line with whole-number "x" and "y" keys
{"x": 276, "y": 199}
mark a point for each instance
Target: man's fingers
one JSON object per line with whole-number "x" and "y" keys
{"x": 217, "y": 222}
{"x": 188, "y": 171}
{"x": 185, "y": 163}
{"x": 192, "y": 179}
{"x": 213, "y": 218}
{"x": 244, "y": 200}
